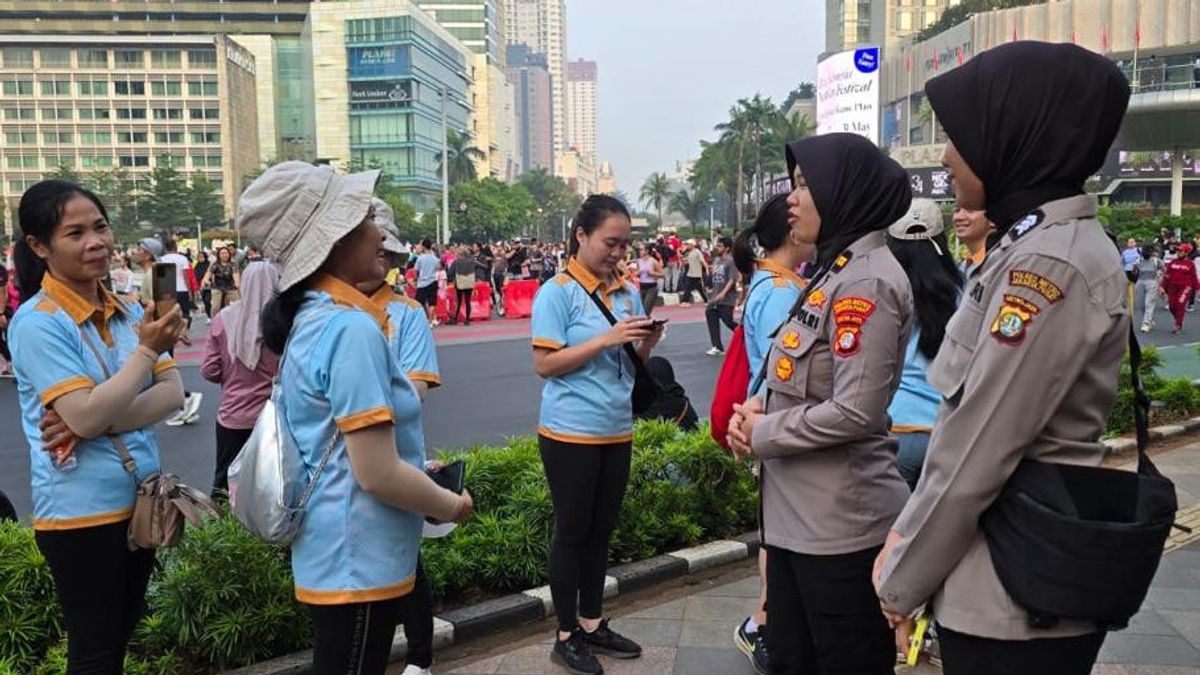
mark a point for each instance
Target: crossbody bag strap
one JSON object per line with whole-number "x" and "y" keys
{"x": 127, "y": 461}
{"x": 637, "y": 360}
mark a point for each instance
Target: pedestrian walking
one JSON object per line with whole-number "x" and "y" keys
{"x": 1131, "y": 259}
{"x": 830, "y": 486}
{"x": 696, "y": 268}
{"x": 722, "y": 295}
{"x": 183, "y": 293}
{"x": 1149, "y": 285}
{"x": 348, "y": 407}
{"x": 202, "y": 265}
{"x": 1178, "y": 283}
{"x": 463, "y": 274}
{"x": 427, "y": 266}
{"x": 649, "y": 273}
{"x": 235, "y": 358}
{"x": 68, "y": 333}
{"x": 1029, "y": 365}
{"x": 5, "y": 316}
{"x": 499, "y": 270}
{"x": 918, "y": 241}
{"x": 585, "y": 431}
{"x": 224, "y": 279}
{"x": 773, "y": 290}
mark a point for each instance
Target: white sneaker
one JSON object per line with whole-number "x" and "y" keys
{"x": 1145, "y": 328}
{"x": 713, "y": 351}
{"x": 191, "y": 405}
{"x": 177, "y": 420}
{"x": 413, "y": 670}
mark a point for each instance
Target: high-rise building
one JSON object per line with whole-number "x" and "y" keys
{"x": 542, "y": 25}
{"x": 385, "y": 79}
{"x": 98, "y": 103}
{"x": 534, "y": 107}
{"x": 478, "y": 24}
{"x": 856, "y": 23}
{"x": 581, "y": 107}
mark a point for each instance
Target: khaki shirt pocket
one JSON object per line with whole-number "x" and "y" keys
{"x": 787, "y": 367}
{"x": 948, "y": 372}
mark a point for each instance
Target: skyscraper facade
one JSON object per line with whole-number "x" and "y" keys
{"x": 542, "y": 25}
{"x": 534, "y": 108}
{"x": 856, "y": 23}
{"x": 581, "y": 107}
{"x": 478, "y": 24}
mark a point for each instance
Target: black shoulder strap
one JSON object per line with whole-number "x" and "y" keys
{"x": 637, "y": 360}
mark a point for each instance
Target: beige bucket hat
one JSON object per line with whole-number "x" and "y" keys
{"x": 299, "y": 211}
{"x": 385, "y": 219}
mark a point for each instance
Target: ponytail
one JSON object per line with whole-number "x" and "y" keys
{"x": 279, "y": 316}
{"x": 770, "y": 229}
{"x": 30, "y": 270}
{"x": 743, "y": 251}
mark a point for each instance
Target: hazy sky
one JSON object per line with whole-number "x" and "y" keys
{"x": 670, "y": 69}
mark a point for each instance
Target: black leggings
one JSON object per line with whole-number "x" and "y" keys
{"x": 964, "y": 654}
{"x": 416, "y": 613}
{"x": 464, "y": 296}
{"x": 587, "y": 484}
{"x": 716, "y": 315}
{"x": 229, "y": 444}
{"x": 101, "y": 586}
{"x": 824, "y": 615}
{"x": 354, "y": 639}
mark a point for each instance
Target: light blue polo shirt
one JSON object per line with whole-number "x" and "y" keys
{"x": 409, "y": 336}
{"x": 339, "y": 376}
{"x": 774, "y": 290}
{"x": 915, "y": 404}
{"x": 592, "y": 404}
{"x": 427, "y": 267}
{"x": 51, "y": 359}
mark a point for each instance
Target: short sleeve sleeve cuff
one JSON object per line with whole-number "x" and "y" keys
{"x": 60, "y": 389}
{"x": 364, "y": 419}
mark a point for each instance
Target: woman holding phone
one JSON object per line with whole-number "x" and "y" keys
{"x": 585, "y": 428}
{"x": 68, "y": 332}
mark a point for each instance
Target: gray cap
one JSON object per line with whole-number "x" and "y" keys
{"x": 152, "y": 246}
{"x": 923, "y": 222}
{"x": 385, "y": 219}
{"x": 299, "y": 211}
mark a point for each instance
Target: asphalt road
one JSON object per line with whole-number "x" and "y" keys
{"x": 490, "y": 394}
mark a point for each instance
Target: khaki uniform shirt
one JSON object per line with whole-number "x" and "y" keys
{"x": 830, "y": 484}
{"x": 1028, "y": 370}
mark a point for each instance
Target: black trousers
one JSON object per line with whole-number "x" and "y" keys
{"x": 206, "y": 298}
{"x": 463, "y": 302}
{"x": 824, "y": 615}
{"x": 587, "y": 484}
{"x": 691, "y": 284}
{"x": 964, "y": 654}
{"x": 101, "y": 586}
{"x": 416, "y": 613}
{"x": 354, "y": 639}
{"x": 649, "y": 293}
{"x": 229, "y": 444}
{"x": 716, "y": 315}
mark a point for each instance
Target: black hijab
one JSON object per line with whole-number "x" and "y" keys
{"x": 1033, "y": 120}
{"x": 856, "y": 188}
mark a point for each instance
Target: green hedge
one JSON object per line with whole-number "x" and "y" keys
{"x": 223, "y": 599}
{"x": 1144, "y": 222}
{"x": 1174, "y": 398}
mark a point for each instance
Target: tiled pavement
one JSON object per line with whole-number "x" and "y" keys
{"x": 693, "y": 635}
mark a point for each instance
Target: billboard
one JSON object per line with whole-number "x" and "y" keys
{"x": 389, "y": 61}
{"x": 930, "y": 182}
{"x": 848, "y": 93}
{"x": 397, "y": 93}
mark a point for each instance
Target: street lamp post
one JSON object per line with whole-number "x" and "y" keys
{"x": 712, "y": 232}
{"x": 445, "y": 173}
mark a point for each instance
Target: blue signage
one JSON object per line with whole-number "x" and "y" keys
{"x": 866, "y": 60}
{"x": 389, "y": 61}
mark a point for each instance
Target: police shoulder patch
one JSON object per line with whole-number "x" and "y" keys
{"x": 1036, "y": 283}
{"x": 1013, "y": 319}
{"x": 850, "y": 314}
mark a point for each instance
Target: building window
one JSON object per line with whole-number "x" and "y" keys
{"x": 202, "y": 59}
{"x": 53, "y": 161}
{"x": 931, "y": 17}
{"x": 95, "y": 138}
{"x": 56, "y": 87}
{"x": 166, "y": 58}
{"x": 168, "y": 113}
{"x": 93, "y": 58}
{"x": 168, "y": 137}
{"x": 206, "y": 137}
{"x": 129, "y": 88}
{"x": 57, "y": 137}
{"x": 18, "y": 88}
{"x": 177, "y": 161}
{"x": 210, "y": 161}
{"x": 17, "y": 57}
{"x": 134, "y": 160}
{"x": 205, "y": 88}
{"x": 131, "y": 136}
{"x": 57, "y": 113}
{"x": 95, "y": 114}
{"x": 93, "y": 88}
{"x": 96, "y": 161}
{"x": 18, "y": 113}
{"x": 22, "y": 162}
{"x": 204, "y": 113}
{"x": 131, "y": 113}
{"x": 56, "y": 57}
{"x": 167, "y": 88}
{"x": 130, "y": 58}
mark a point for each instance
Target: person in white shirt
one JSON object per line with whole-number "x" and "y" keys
{"x": 182, "y": 293}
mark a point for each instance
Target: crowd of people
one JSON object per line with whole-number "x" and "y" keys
{"x": 1164, "y": 268}
{"x": 889, "y": 392}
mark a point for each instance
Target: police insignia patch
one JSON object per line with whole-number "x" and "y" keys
{"x": 850, "y": 314}
{"x": 791, "y": 340}
{"x": 1013, "y": 319}
{"x": 784, "y": 368}
{"x": 1027, "y": 223}
{"x": 1037, "y": 283}
{"x": 817, "y": 299}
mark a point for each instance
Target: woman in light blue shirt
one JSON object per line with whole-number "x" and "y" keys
{"x": 918, "y": 241}
{"x": 585, "y": 429}
{"x": 355, "y": 417}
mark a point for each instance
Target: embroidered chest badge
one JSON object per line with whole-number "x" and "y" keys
{"x": 784, "y": 369}
{"x": 1013, "y": 319}
{"x": 817, "y": 299}
{"x": 850, "y": 314}
{"x": 791, "y": 340}
{"x": 1036, "y": 283}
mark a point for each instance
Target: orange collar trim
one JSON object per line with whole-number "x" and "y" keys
{"x": 383, "y": 297}
{"x": 775, "y": 268}
{"x": 345, "y": 294}
{"x": 978, "y": 256}
{"x": 77, "y": 308}
{"x": 589, "y": 281}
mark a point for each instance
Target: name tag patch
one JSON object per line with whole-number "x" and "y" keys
{"x": 1037, "y": 283}
{"x": 850, "y": 315}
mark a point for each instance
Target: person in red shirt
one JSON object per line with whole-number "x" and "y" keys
{"x": 1179, "y": 281}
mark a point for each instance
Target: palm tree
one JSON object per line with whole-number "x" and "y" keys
{"x": 655, "y": 191}
{"x": 688, "y": 204}
{"x": 462, "y": 156}
{"x": 734, "y": 132}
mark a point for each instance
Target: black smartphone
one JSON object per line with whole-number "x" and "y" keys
{"x": 451, "y": 477}
{"x": 164, "y": 288}
{"x": 661, "y": 322}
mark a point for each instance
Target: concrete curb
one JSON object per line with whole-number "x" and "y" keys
{"x": 1120, "y": 446}
{"x": 535, "y": 604}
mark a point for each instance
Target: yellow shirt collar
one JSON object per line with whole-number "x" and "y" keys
{"x": 590, "y": 282}
{"x": 775, "y": 268}
{"x": 345, "y": 294}
{"x": 79, "y": 309}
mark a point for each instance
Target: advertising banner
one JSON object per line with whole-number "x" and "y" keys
{"x": 395, "y": 92}
{"x": 848, "y": 93}
{"x": 378, "y": 61}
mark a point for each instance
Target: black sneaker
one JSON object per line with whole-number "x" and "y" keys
{"x": 605, "y": 640}
{"x": 574, "y": 655}
{"x": 753, "y": 645}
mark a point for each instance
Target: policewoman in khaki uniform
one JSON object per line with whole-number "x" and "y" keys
{"x": 830, "y": 483}
{"x": 1030, "y": 360}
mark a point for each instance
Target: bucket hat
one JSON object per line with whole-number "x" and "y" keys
{"x": 385, "y": 219}
{"x": 299, "y": 211}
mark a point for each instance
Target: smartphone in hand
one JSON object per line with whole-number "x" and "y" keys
{"x": 451, "y": 476}
{"x": 165, "y": 297}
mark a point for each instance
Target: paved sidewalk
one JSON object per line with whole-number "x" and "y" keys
{"x": 693, "y": 635}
